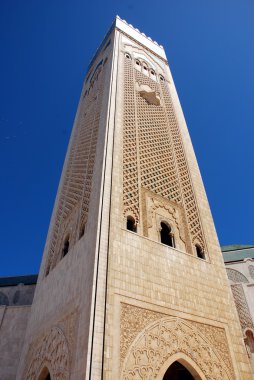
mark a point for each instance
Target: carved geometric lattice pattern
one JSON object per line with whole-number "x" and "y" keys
{"x": 242, "y": 307}
{"x": 51, "y": 351}
{"x": 251, "y": 271}
{"x": 157, "y": 164}
{"x": 74, "y": 196}
{"x": 130, "y": 171}
{"x": 158, "y": 340}
{"x": 186, "y": 185}
{"x": 153, "y": 154}
{"x": 236, "y": 276}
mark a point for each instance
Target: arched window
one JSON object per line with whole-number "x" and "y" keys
{"x": 161, "y": 78}
{"x": 166, "y": 235}
{"x": 249, "y": 341}
{"x": 199, "y": 252}
{"x": 66, "y": 246}
{"x": 127, "y": 55}
{"x": 131, "y": 224}
{"x": 137, "y": 63}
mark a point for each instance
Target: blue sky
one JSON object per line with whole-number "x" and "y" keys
{"x": 45, "y": 49}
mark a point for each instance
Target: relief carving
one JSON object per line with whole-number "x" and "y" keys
{"x": 55, "y": 349}
{"x": 51, "y": 351}
{"x": 148, "y": 339}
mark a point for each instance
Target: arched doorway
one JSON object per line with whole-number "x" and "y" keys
{"x": 177, "y": 372}
{"x": 45, "y": 374}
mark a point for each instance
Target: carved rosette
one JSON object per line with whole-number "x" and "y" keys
{"x": 149, "y": 339}
{"x": 51, "y": 351}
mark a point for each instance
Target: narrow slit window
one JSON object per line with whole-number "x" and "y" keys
{"x": 82, "y": 231}
{"x": 66, "y": 247}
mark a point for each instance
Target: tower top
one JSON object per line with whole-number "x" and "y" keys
{"x": 139, "y": 36}
{"x": 135, "y": 34}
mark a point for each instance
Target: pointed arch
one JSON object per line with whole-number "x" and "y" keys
{"x": 157, "y": 345}
{"x": 187, "y": 362}
{"x": 45, "y": 374}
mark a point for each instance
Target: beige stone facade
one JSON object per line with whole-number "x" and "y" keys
{"x": 240, "y": 270}
{"x": 112, "y": 303}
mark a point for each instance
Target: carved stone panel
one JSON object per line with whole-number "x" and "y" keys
{"x": 242, "y": 307}
{"x": 52, "y": 352}
{"x": 54, "y": 349}
{"x": 148, "y": 339}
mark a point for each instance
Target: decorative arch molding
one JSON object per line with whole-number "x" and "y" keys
{"x": 167, "y": 339}
{"x": 51, "y": 352}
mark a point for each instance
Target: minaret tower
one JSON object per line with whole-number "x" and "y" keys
{"x": 132, "y": 283}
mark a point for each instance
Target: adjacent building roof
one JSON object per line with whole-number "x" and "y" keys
{"x": 30, "y": 279}
{"x": 237, "y": 252}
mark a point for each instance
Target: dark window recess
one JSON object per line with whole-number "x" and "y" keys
{"x": 166, "y": 236}
{"x": 66, "y": 247}
{"x": 200, "y": 252}
{"x": 82, "y": 231}
{"x": 131, "y": 225}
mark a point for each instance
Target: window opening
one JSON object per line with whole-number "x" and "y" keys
{"x": 82, "y": 231}
{"x": 166, "y": 235}
{"x": 66, "y": 247}
{"x": 249, "y": 341}
{"x": 127, "y": 55}
{"x": 145, "y": 68}
{"x": 200, "y": 252}
{"x": 161, "y": 78}
{"x": 131, "y": 225}
{"x": 152, "y": 72}
{"x": 137, "y": 63}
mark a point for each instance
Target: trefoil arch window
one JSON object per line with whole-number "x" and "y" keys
{"x": 166, "y": 235}
{"x": 200, "y": 252}
{"x": 131, "y": 224}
